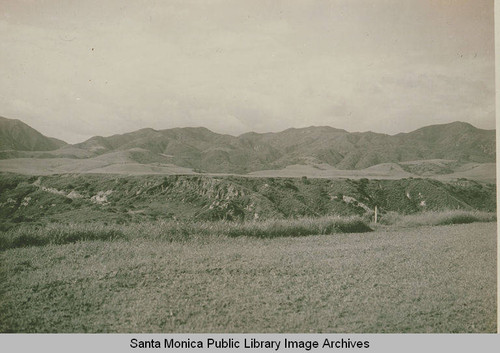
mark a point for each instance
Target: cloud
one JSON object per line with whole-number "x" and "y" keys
{"x": 76, "y": 69}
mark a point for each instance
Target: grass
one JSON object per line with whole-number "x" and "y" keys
{"x": 54, "y": 233}
{"x": 29, "y": 235}
{"x": 177, "y": 231}
{"x": 437, "y": 218}
{"x": 275, "y": 228}
{"x": 430, "y": 279}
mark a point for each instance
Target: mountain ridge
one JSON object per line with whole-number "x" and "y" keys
{"x": 18, "y": 136}
{"x": 202, "y": 149}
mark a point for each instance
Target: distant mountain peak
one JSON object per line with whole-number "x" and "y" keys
{"x": 18, "y": 136}
{"x": 203, "y": 149}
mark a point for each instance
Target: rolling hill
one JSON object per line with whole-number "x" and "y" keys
{"x": 206, "y": 150}
{"x": 438, "y": 150}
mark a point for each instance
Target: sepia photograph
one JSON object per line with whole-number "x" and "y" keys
{"x": 237, "y": 166}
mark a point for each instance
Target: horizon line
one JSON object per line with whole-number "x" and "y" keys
{"x": 250, "y": 132}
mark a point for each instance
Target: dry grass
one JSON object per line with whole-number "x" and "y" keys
{"x": 178, "y": 231}
{"x": 30, "y": 235}
{"x": 430, "y": 279}
{"x": 437, "y": 218}
{"x": 260, "y": 229}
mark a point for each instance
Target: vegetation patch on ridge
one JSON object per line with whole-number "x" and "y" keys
{"x": 116, "y": 199}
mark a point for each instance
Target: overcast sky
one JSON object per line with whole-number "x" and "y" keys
{"x": 73, "y": 69}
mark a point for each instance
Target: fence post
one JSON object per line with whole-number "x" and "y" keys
{"x": 376, "y": 213}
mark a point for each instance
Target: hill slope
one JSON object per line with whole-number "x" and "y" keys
{"x": 203, "y": 150}
{"x": 17, "y": 136}
{"x": 111, "y": 198}
{"x": 200, "y": 148}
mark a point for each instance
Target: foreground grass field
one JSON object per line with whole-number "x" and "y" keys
{"x": 427, "y": 279}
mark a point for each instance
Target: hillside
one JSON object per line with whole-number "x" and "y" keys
{"x": 202, "y": 149}
{"x": 429, "y": 151}
{"x": 123, "y": 199}
{"x": 17, "y": 136}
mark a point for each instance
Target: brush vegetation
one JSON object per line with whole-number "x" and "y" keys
{"x": 138, "y": 199}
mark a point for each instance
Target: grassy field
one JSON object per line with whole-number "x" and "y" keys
{"x": 426, "y": 279}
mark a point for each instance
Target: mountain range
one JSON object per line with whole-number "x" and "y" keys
{"x": 201, "y": 150}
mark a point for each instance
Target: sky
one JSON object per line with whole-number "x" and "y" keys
{"x": 74, "y": 69}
